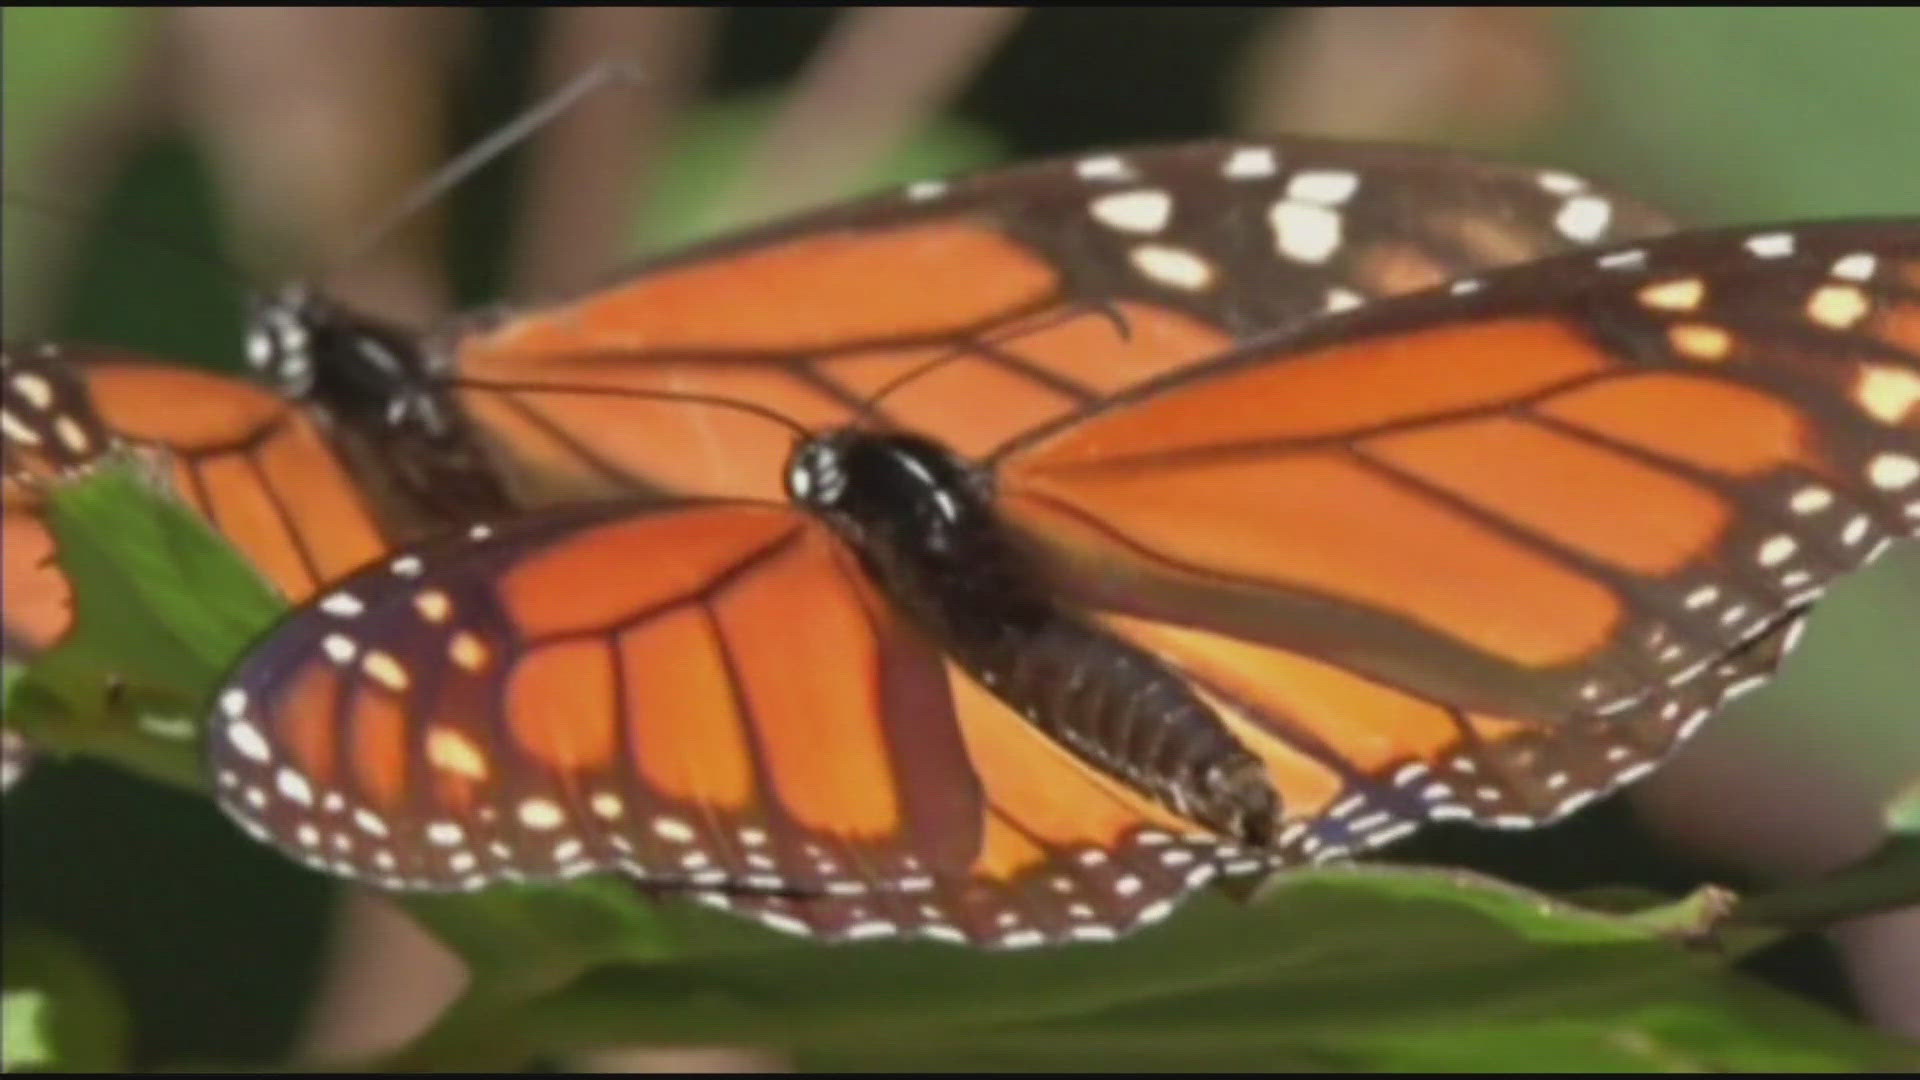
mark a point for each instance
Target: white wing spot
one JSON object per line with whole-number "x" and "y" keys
{"x": 294, "y": 786}
{"x": 1858, "y": 266}
{"x": 1555, "y": 182}
{"x": 1172, "y": 266}
{"x": 1777, "y": 550}
{"x": 17, "y": 431}
{"x": 1838, "y": 307}
{"x": 1771, "y": 245}
{"x": 673, "y": 829}
{"x": 1630, "y": 259}
{"x": 1250, "y": 163}
{"x": 1328, "y": 187}
{"x": 540, "y": 814}
{"x": 35, "y": 389}
{"x": 1104, "y": 167}
{"x": 1134, "y": 211}
{"x": 1893, "y": 472}
{"x": 1305, "y": 232}
{"x": 1583, "y": 218}
{"x": 247, "y": 739}
{"x": 1888, "y": 394}
{"x": 342, "y": 605}
{"x": 925, "y": 190}
{"x": 1342, "y": 299}
{"x": 339, "y": 648}
{"x": 369, "y": 822}
{"x": 1811, "y": 500}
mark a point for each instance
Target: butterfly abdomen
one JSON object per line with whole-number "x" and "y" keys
{"x": 926, "y": 535}
{"x": 1123, "y": 711}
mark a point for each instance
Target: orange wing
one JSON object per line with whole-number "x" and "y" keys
{"x": 1026, "y": 294}
{"x": 253, "y": 465}
{"x": 1487, "y": 552}
{"x": 601, "y": 688}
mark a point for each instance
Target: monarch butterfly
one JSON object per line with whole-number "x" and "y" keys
{"x": 414, "y": 429}
{"x": 974, "y": 309}
{"x": 1027, "y": 675}
{"x": 256, "y": 466}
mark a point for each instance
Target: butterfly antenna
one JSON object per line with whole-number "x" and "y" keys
{"x": 798, "y": 429}
{"x": 598, "y": 77}
{"x": 870, "y": 408}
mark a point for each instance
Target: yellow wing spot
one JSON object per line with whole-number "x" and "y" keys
{"x": 385, "y": 670}
{"x": 72, "y": 435}
{"x": 1838, "y": 307}
{"x": 467, "y": 651}
{"x": 1699, "y": 341}
{"x": 1888, "y": 394}
{"x": 433, "y": 605}
{"x": 1681, "y": 294}
{"x": 451, "y": 750}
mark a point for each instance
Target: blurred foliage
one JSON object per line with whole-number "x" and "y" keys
{"x": 711, "y": 142}
{"x": 1721, "y": 114}
{"x": 1748, "y": 114}
{"x": 57, "y": 61}
{"x": 61, "y": 1011}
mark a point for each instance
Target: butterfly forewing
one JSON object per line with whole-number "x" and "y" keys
{"x": 991, "y": 304}
{"x": 1486, "y": 552}
{"x": 261, "y": 472}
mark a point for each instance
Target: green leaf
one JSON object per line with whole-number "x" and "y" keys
{"x": 61, "y": 1011}
{"x": 709, "y": 143}
{"x": 1351, "y": 969}
{"x": 161, "y": 606}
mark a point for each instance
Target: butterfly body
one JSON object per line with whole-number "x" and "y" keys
{"x": 368, "y": 379}
{"x": 921, "y": 521}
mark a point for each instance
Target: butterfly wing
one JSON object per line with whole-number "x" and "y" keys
{"x": 1488, "y": 551}
{"x": 1033, "y": 292}
{"x": 604, "y": 688}
{"x": 256, "y": 468}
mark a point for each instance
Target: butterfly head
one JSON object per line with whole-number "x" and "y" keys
{"x": 310, "y": 346}
{"x": 872, "y": 484}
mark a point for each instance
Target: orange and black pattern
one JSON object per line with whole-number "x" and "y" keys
{"x": 258, "y": 469}
{"x": 984, "y": 306}
{"x": 1488, "y": 552}
{"x": 610, "y": 688}
{"x": 1482, "y": 553}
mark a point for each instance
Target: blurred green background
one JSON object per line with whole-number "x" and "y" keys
{"x": 115, "y": 119}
